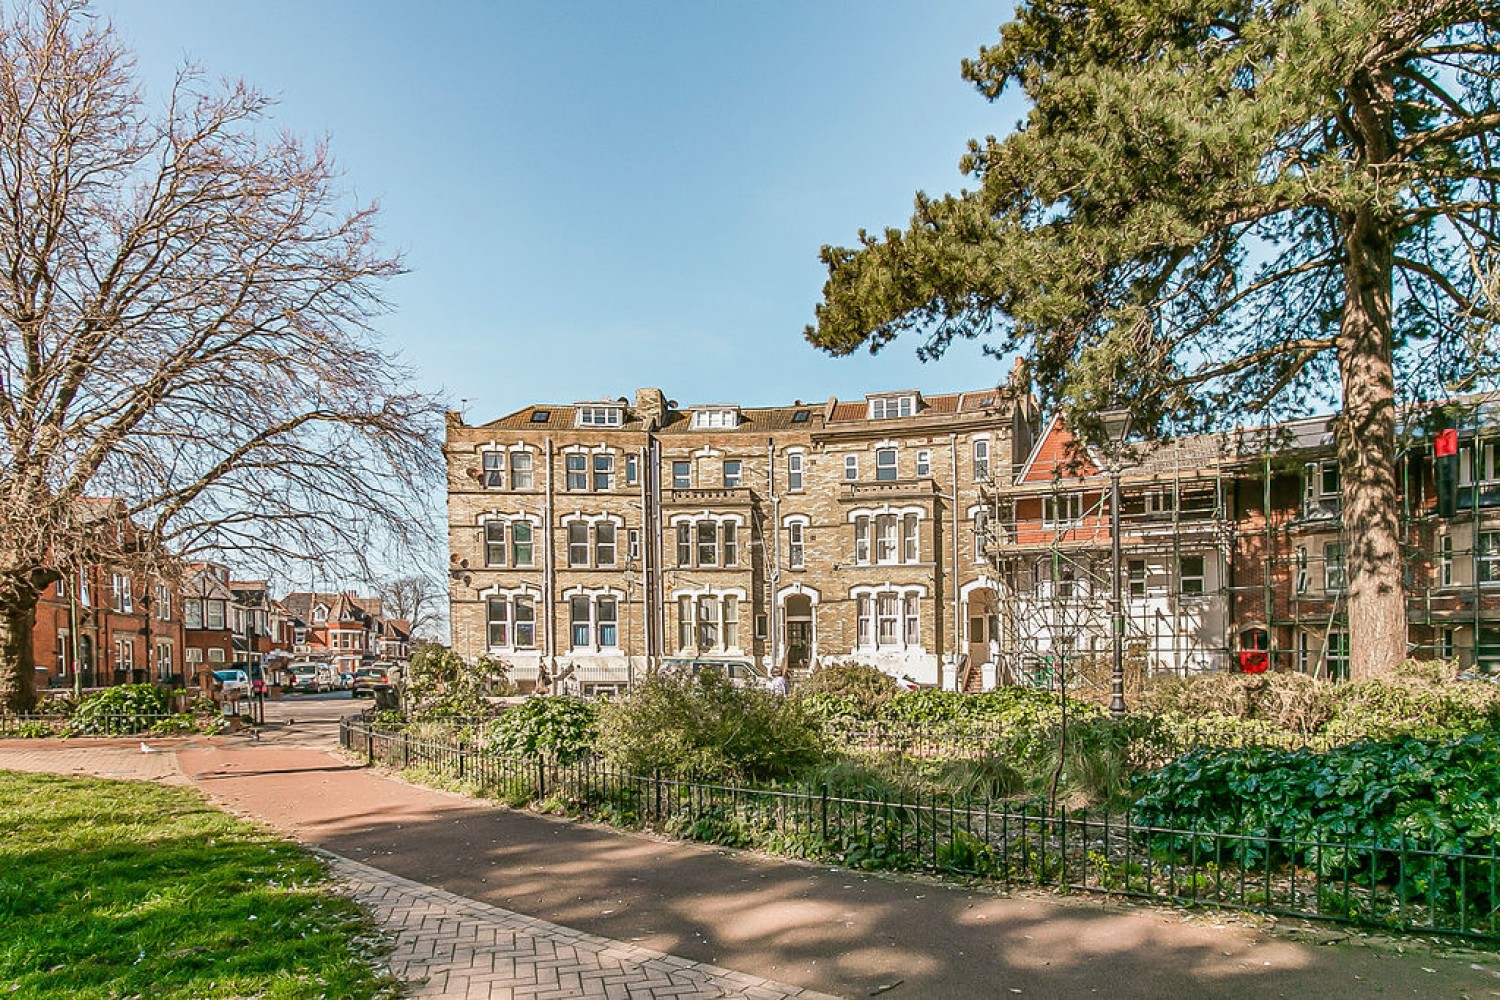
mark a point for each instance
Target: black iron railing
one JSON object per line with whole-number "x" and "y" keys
{"x": 1404, "y": 886}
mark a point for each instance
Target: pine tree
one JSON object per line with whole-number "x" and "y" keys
{"x": 1220, "y": 211}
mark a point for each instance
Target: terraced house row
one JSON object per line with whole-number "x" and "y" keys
{"x": 957, "y": 539}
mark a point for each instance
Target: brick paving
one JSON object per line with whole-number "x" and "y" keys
{"x": 97, "y": 759}
{"x": 451, "y": 946}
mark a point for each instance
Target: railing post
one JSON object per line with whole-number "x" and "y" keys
{"x": 541, "y": 778}
{"x": 657, "y": 782}
{"x": 825, "y": 812}
{"x": 370, "y": 746}
{"x": 463, "y": 753}
{"x": 406, "y": 748}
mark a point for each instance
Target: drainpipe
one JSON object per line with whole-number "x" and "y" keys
{"x": 647, "y": 550}
{"x": 549, "y": 637}
{"x": 775, "y": 571}
{"x": 658, "y": 612}
{"x": 957, "y": 620}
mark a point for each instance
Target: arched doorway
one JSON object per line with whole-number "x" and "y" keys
{"x": 983, "y": 626}
{"x": 799, "y": 631}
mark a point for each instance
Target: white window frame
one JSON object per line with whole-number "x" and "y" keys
{"x": 794, "y": 472}
{"x": 708, "y": 621}
{"x": 699, "y": 535}
{"x": 1445, "y": 560}
{"x": 522, "y": 470}
{"x": 1062, "y": 510}
{"x": 887, "y": 617}
{"x": 924, "y": 463}
{"x": 511, "y": 620}
{"x": 1192, "y": 581}
{"x": 1487, "y": 558}
{"x": 602, "y": 472}
{"x": 981, "y": 459}
{"x": 494, "y": 539}
{"x": 735, "y": 478}
{"x": 851, "y": 468}
{"x": 716, "y": 418}
{"x": 892, "y": 407}
{"x": 885, "y": 465}
{"x": 796, "y": 542}
{"x": 578, "y": 544}
{"x": 516, "y": 542}
{"x": 162, "y": 606}
{"x": 576, "y": 472}
{"x": 685, "y": 481}
{"x": 606, "y": 552}
{"x": 594, "y": 415}
{"x": 122, "y": 600}
{"x": 1335, "y": 572}
{"x": 1336, "y": 653}
{"x": 492, "y": 469}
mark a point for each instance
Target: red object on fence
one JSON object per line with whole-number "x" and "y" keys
{"x": 1254, "y": 661}
{"x": 1446, "y": 443}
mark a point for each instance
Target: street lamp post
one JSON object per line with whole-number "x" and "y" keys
{"x": 1116, "y": 428}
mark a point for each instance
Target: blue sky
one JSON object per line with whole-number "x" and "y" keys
{"x": 597, "y": 197}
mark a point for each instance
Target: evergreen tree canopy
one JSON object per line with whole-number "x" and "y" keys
{"x": 1171, "y": 224}
{"x": 1220, "y": 209}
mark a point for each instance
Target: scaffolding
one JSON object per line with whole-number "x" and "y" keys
{"x": 1051, "y": 554}
{"x": 1234, "y": 556}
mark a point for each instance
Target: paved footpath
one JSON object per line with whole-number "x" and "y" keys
{"x": 445, "y": 871}
{"x": 449, "y": 946}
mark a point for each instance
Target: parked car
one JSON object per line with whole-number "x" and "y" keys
{"x": 741, "y": 673}
{"x": 367, "y": 679}
{"x": 311, "y": 678}
{"x": 232, "y": 683}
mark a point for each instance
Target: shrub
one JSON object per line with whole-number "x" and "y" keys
{"x": 1419, "y": 698}
{"x": 863, "y": 688}
{"x": 444, "y": 686}
{"x": 1295, "y": 702}
{"x": 990, "y": 777}
{"x": 1096, "y": 761}
{"x": 128, "y": 708}
{"x": 706, "y": 727}
{"x": 554, "y": 726}
{"x": 1439, "y": 793}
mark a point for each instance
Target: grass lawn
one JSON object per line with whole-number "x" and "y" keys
{"x": 126, "y": 889}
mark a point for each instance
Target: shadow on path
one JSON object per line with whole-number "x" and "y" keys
{"x": 816, "y": 926}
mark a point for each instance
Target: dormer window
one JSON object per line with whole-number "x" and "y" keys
{"x": 590, "y": 415}
{"x": 716, "y": 417}
{"x": 890, "y": 407}
{"x": 320, "y": 613}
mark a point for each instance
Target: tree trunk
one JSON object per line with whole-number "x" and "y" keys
{"x": 17, "y": 666}
{"x": 1367, "y": 454}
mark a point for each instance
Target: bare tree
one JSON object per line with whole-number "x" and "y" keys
{"x": 417, "y": 599}
{"x": 185, "y": 327}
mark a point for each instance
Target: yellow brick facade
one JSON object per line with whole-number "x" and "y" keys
{"x": 591, "y": 540}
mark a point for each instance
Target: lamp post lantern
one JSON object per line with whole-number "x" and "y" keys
{"x": 1116, "y": 425}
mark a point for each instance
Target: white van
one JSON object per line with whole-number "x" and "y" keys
{"x": 310, "y": 677}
